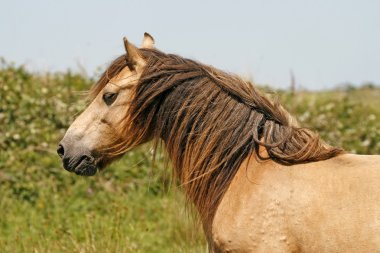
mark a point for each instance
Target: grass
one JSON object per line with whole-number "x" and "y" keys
{"x": 106, "y": 213}
{"x": 131, "y": 206}
{"x": 85, "y": 221}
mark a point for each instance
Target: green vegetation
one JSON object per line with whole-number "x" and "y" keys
{"x": 131, "y": 206}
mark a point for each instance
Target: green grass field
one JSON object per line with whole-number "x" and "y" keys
{"x": 132, "y": 205}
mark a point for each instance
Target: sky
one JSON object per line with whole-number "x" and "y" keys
{"x": 323, "y": 42}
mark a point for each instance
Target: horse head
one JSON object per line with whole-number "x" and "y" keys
{"x": 89, "y": 143}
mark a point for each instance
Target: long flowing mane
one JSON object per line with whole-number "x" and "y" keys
{"x": 210, "y": 122}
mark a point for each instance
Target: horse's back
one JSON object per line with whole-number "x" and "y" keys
{"x": 327, "y": 206}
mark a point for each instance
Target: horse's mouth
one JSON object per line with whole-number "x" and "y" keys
{"x": 85, "y": 166}
{"x": 85, "y": 169}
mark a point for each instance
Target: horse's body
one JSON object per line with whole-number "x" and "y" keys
{"x": 326, "y": 206}
{"x": 259, "y": 181}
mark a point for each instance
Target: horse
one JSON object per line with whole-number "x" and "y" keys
{"x": 258, "y": 180}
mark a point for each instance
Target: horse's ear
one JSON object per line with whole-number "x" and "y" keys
{"x": 134, "y": 56}
{"x": 148, "y": 41}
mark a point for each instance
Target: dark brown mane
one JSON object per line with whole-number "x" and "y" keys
{"x": 210, "y": 122}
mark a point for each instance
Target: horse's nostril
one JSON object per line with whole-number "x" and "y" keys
{"x": 60, "y": 150}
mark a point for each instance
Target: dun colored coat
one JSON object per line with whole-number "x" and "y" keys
{"x": 260, "y": 182}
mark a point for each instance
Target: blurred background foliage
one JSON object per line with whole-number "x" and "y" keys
{"x": 131, "y": 206}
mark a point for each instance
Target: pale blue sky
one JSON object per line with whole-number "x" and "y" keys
{"x": 325, "y": 42}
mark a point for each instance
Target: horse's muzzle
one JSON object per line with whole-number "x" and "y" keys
{"x": 77, "y": 159}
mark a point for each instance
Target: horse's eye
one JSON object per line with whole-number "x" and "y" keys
{"x": 109, "y": 98}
